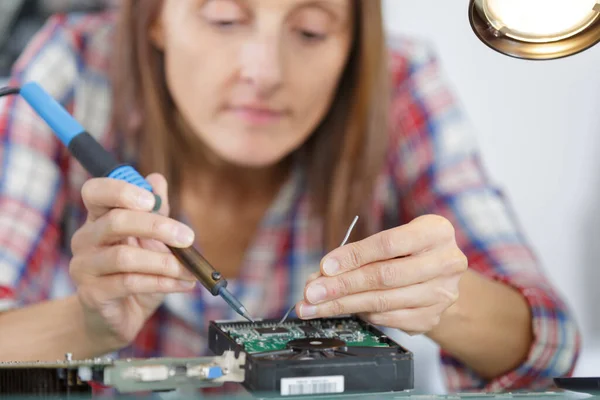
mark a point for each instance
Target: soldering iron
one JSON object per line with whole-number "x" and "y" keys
{"x": 100, "y": 163}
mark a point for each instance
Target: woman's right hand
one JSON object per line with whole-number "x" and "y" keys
{"x": 121, "y": 265}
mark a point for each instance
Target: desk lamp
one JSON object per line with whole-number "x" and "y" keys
{"x": 540, "y": 30}
{"x": 536, "y": 29}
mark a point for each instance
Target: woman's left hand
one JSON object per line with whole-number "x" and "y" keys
{"x": 403, "y": 278}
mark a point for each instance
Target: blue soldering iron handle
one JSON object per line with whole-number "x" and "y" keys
{"x": 92, "y": 156}
{"x": 101, "y": 163}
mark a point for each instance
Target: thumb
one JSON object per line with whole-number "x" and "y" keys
{"x": 160, "y": 187}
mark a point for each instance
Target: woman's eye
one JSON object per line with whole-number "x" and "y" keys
{"x": 312, "y": 25}
{"x": 223, "y": 13}
{"x": 312, "y": 36}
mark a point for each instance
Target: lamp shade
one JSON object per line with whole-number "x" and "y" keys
{"x": 536, "y": 29}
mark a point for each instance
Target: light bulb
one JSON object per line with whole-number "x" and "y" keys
{"x": 538, "y": 21}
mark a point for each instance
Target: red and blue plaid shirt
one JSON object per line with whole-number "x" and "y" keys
{"x": 432, "y": 167}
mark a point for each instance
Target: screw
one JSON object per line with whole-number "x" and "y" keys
{"x": 216, "y": 275}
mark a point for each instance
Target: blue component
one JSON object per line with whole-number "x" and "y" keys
{"x": 128, "y": 174}
{"x": 214, "y": 372}
{"x": 61, "y": 122}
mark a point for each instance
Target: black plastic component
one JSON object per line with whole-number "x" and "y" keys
{"x": 92, "y": 156}
{"x": 589, "y": 385}
{"x": 364, "y": 369}
{"x": 157, "y": 203}
{"x": 274, "y": 331}
{"x": 308, "y": 330}
{"x": 55, "y": 383}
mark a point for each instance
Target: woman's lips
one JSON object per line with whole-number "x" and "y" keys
{"x": 257, "y": 115}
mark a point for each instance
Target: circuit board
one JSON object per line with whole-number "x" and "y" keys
{"x": 327, "y": 355}
{"x": 261, "y": 337}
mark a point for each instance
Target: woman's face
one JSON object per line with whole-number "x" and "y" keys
{"x": 253, "y": 78}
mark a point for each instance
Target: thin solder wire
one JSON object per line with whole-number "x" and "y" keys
{"x": 348, "y": 232}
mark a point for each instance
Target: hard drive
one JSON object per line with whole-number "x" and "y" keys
{"x": 322, "y": 356}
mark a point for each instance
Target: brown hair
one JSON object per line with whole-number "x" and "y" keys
{"x": 344, "y": 155}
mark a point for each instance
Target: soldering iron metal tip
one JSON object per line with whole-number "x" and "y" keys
{"x": 245, "y": 314}
{"x": 235, "y": 303}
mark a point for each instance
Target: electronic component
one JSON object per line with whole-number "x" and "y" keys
{"x": 321, "y": 356}
{"x": 272, "y": 331}
{"x": 43, "y": 380}
{"x": 66, "y": 377}
{"x": 308, "y": 330}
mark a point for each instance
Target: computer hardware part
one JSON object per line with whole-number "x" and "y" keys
{"x": 321, "y": 356}
{"x": 68, "y": 377}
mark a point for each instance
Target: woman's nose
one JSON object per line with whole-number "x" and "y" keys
{"x": 261, "y": 64}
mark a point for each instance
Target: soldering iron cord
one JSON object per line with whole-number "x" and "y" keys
{"x": 5, "y": 91}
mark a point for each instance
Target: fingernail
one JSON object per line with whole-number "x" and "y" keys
{"x": 331, "y": 266}
{"x": 187, "y": 284}
{"x": 184, "y": 235}
{"x": 307, "y": 310}
{"x": 316, "y": 293}
{"x": 145, "y": 200}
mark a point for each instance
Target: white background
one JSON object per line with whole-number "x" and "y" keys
{"x": 538, "y": 125}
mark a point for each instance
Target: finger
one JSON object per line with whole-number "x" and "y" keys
{"x": 160, "y": 188}
{"x": 413, "y": 321}
{"x": 103, "y": 194}
{"x": 154, "y": 245}
{"x": 313, "y": 276}
{"x": 118, "y": 224}
{"x": 126, "y": 259}
{"x": 418, "y": 235}
{"x": 118, "y": 286}
{"x": 394, "y": 273}
{"x": 421, "y": 295}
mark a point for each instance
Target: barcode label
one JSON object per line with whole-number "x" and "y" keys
{"x": 312, "y": 385}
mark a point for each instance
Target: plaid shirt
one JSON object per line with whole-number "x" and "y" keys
{"x": 432, "y": 167}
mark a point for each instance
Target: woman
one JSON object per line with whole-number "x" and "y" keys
{"x": 267, "y": 125}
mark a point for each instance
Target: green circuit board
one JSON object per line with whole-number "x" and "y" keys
{"x": 259, "y": 337}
